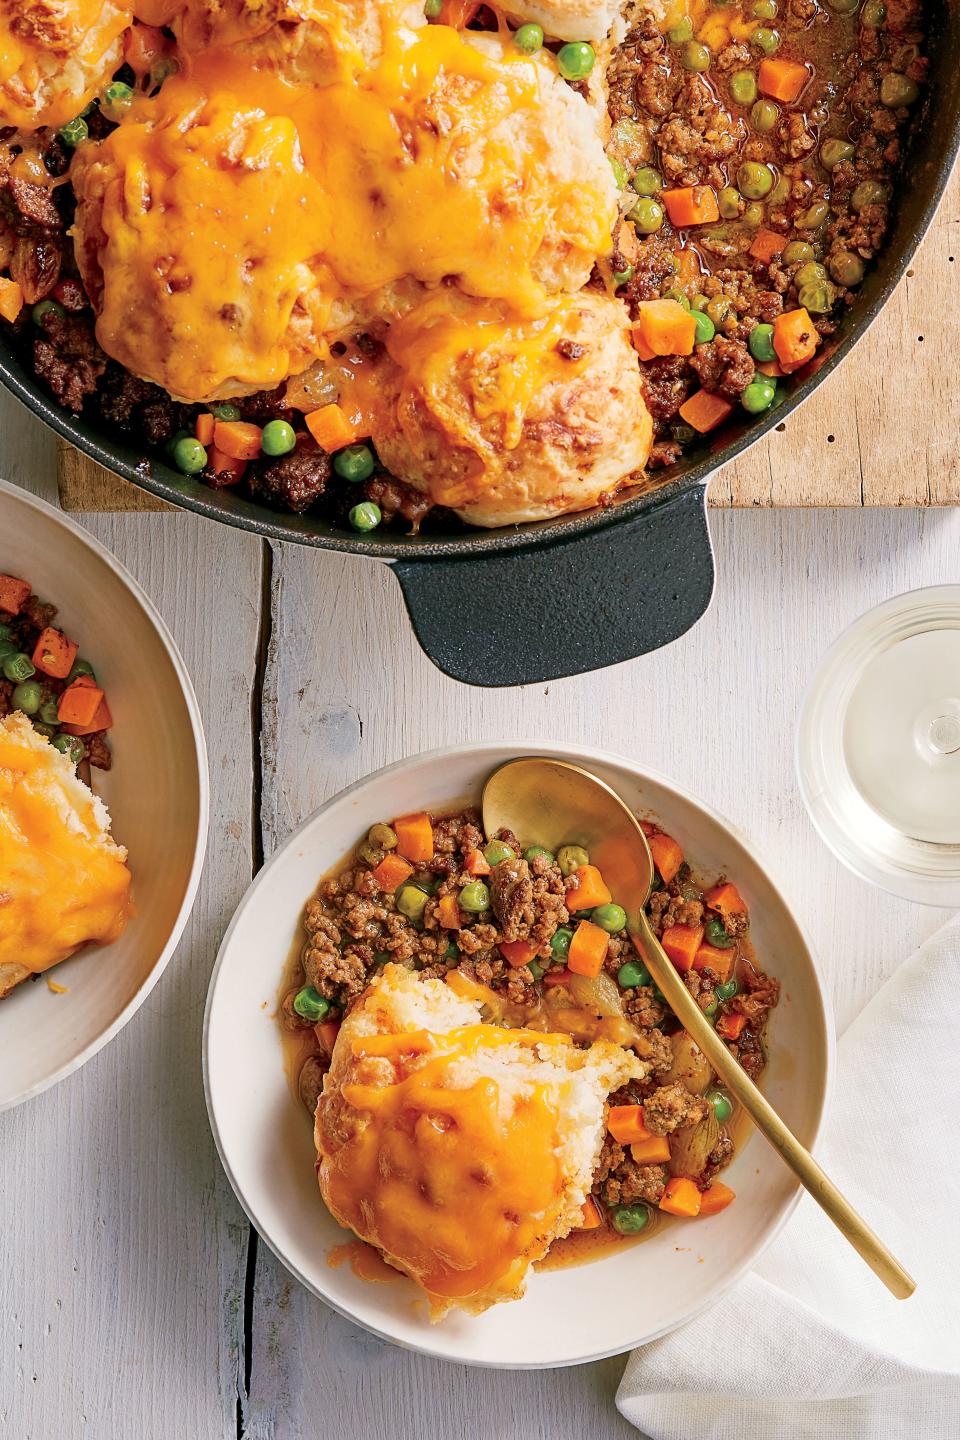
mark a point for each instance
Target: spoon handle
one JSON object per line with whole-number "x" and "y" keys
{"x": 867, "y": 1245}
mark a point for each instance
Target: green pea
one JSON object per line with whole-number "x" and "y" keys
{"x": 226, "y": 410}
{"x": 529, "y": 39}
{"x": 365, "y": 516}
{"x": 695, "y": 57}
{"x": 760, "y": 344}
{"x": 729, "y": 202}
{"x": 682, "y": 433}
{"x": 678, "y": 295}
{"x": 474, "y": 897}
{"x": 278, "y": 438}
{"x": 619, "y": 172}
{"x": 766, "y": 40}
{"x": 576, "y": 60}
{"x": 711, "y": 1008}
{"x": 560, "y": 942}
{"x": 846, "y": 268}
{"x": 873, "y": 14}
{"x": 116, "y": 100}
{"x": 869, "y": 192}
{"x": 48, "y": 713}
{"x": 74, "y": 132}
{"x": 722, "y": 1105}
{"x": 647, "y": 181}
{"x": 7, "y": 647}
{"x": 432, "y": 9}
{"x": 621, "y": 277}
{"x": 632, "y": 974}
{"x": 810, "y": 274}
{"x": 452, "y": 953}
{"x": 705, "y": 330}
{"x": 71, "y": 746}
{"x": 780, "y": 193}
{"x": 814, "y": 217}
{"x": 752, "y": 216}
{"x": 46, "y": 730}
{"x": 27, "y": 697}
{"x": 700, "y": 303}
{"x": 382, "y": 836}
{"x": 309, "y": 1003}
{"x": 743, "y": 86}
{"x": 189, "y": 455}
{"x": 898, "y": 90}
{"x": 681, "y": 32}
{"x": 647, "y": 216}
{"x": 43, "y": 308}
{"x": 714, "y": 931}
{"x": 764, "y": 9}
{"x": 754, "y": 180}
{"x": 797, "y": 251}
{"x": 764, "y": 115}
{"x": 165, "y": 66}
{"x": 611, "y": 918}
{"x": 629, "y": 1219}
{"x": 412, "y": 901}
{"x": 355, "y": 463}
{"x": 497, "y": 851}
{"x": 727, "y": 990}
{"x": 758, "y": 396}
{"x": 17, "y": 667}
{"x": 571, "y": 857}
{"x": 833, "y": 151}
{"x": 817, "y": 299}
{"x": 532, "y": 851}
{"x": 843, "y": 7}
{"x": 5, "y": 632}
{"x": 718, "y": 309}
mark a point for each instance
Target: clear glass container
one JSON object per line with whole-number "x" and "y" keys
{"x": 878, "y": 746}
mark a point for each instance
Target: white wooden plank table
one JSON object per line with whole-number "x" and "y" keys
{"x": 133, "y": 1301}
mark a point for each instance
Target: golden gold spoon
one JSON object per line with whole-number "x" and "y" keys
{"x": 552, "y": 803}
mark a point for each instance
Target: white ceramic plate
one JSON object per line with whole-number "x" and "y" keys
{"x": 568, "y": 1315}
{"x": 157, "y": 794}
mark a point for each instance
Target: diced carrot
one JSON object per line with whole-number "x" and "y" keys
{"x": 590, "y": 1215}
{"x": 414, "y": 837}
{"x": 691, "y": 205}
{"x": 654, "y": 1151}
{"x": 625, "y": 1123}
{"x": 392, "y": 871}
{"x": 476, "y": 863}
{"x": 782, "y": 79}
{"x": 142, "y": 44}
{"x": 458, "y": 13}
{"x": 716, "y": 1198}
{"x": 517, "y": 952}
{"x": 767, "y": 244}
{"x": 730, "y": 1027}
{"x": 681, "y": 1197}
{"x": 713, "y": 958}
{"x": 663, "y": 327}
{"x": 705, "y": 411}
{"x": 667, "y": 855}
{"x": 11, "y": 299}
{"x": 769, "y": 367}
{"x": 204, "y": 427}
{"x": 681, "y": 943}
{"x": 331, "y": 428}
{"x": 588, "y": 949}
{"x": 726, "y": 898}
{"x": 13, "y": 594}
{"x": 588, "y": 889}
{"x": 794, "y": 339}
{"x": 327, "y": 1032}
{"x": 54, "y": 654}
{"x": 448, "y": 912}
{"x": 689, "y": 268}
{"x": 553, "y": 978}
{"x": 102, "y": 720}
{"x": 227, "y": 469}
{"x": 78, "y": 704}
{"x": 240, "y": 439}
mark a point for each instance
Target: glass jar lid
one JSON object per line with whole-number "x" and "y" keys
{"x": 878, "y": 746}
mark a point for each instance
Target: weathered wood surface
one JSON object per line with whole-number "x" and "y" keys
{"x": 127, "y": 1304}
{"x": 881, "y": 431}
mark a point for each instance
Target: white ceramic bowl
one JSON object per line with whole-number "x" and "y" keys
{"x": 568, "y": 1315}
{"x": 157, "y": 794}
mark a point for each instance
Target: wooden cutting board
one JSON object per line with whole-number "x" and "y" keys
{"x": 881, "y": 431}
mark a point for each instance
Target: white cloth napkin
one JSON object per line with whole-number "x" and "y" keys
{"x": 811, "y": 1344}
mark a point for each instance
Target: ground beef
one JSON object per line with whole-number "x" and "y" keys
{"x": 35, "y": 203}
{"x": 666, "y": 384}
{"x": 725, "y": 366}
{"x": 671, "y": 1106}
{"x": 630, "y": 1182}
{"x": 295, "y": 481}
{"x": 511, "y": 895}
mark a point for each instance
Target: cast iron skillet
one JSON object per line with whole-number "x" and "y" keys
{"x": 535, "y": 602}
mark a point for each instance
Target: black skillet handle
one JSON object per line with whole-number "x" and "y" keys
{"x": 569, "y": 606}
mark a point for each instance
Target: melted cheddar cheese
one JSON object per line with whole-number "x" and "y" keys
{"x": 237, "y": 222}
{"x": 53, "y": 56}
{"x": 63, "y": 881}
